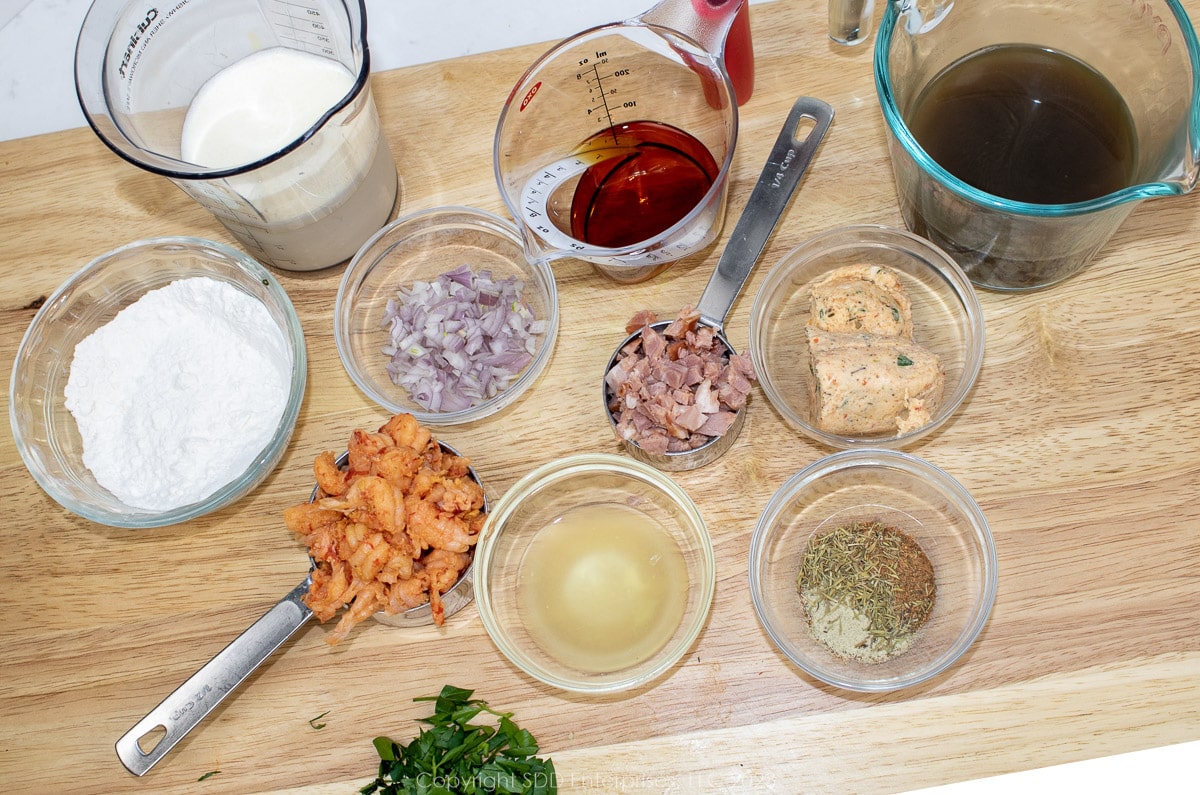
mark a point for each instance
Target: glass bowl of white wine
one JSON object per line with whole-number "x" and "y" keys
{"x": 594, "y": 573}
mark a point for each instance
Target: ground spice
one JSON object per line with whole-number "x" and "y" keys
{"x": 866, "y": 589}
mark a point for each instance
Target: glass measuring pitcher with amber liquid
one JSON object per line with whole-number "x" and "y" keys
{"x": 1023, "y": 133}
{"x": 615, "y": 146}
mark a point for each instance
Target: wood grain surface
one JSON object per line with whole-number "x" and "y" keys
{"x": 1079, "y": 442}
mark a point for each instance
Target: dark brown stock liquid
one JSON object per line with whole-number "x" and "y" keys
{"x": 661, "y": 175}
{"x": 1027, "y": 124}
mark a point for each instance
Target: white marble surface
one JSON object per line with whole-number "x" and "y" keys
{"x": 37, "y": 95}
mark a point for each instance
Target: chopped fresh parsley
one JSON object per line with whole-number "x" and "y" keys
{"x": 904, "y": 361}
{"x": 456, "y": 757}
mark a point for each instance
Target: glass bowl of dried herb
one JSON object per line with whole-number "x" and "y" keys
{"x": 872, "y": 570}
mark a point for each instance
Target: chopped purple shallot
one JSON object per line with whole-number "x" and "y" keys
{"x": 460, "y": 339}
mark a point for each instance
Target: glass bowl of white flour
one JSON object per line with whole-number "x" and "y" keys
{"x": 159, "y": 383}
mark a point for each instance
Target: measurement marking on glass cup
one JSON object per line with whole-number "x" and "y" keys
{"x": 613, "y": 169}
{"x": 541, "y": 186}
{"x": 303, "y": 26}
{"x": 596, "y": 83}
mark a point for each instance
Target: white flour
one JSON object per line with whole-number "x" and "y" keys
{"x": 178, "y": 393}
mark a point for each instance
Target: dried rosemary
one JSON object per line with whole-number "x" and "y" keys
{"x": 866, "y": 588}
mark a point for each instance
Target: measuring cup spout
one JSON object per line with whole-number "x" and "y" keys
{"x": 706, "y": 21}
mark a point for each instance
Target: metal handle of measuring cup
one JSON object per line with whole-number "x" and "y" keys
{"x": 789, "y": 159}
{"x": 192, "y": 701}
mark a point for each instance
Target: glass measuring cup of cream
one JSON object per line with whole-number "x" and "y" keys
{"x": 260, "y": 110}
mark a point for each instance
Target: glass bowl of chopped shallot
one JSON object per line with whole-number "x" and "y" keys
{"x": 872, "y": 570}
{"x": 159, "y": 383}
{"x": 440, "y": 315}
{"x": 865, "y": 336}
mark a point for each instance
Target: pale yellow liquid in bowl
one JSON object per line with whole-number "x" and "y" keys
{"x": 602, "y": 587}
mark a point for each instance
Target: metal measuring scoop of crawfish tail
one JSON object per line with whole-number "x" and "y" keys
{"x": 191, "y": 702}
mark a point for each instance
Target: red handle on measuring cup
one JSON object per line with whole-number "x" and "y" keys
{"x": 739, "y": 46}
{"x": 720, "y": 27}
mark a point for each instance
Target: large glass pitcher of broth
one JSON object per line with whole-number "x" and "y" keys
{"x": 1023, "y": 133}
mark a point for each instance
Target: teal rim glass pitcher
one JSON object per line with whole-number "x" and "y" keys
{"x": 1145, "y": 49}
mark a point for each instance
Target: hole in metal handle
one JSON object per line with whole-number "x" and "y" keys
{"x": 152, "y": 739}
{"x": 804, "y": 128}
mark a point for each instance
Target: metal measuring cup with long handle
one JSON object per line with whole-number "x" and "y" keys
{"x": 153, "y": 737}
{"x": 794, "y": 149}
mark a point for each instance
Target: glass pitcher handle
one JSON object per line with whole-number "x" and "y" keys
{"x": 922, "y": 15}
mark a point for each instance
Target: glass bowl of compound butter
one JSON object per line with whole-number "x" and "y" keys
{"x": 159, "y": 383}
{"x": 594, "y": 573}
{"x": 872, "y": 570}
{"x": 865, "y": 336}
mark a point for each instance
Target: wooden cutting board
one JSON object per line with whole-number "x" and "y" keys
{"x": 1079, "y": 442}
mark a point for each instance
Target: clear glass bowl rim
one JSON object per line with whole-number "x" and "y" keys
{"x": 916, "y": 467}
{"x": 864, "y": 235}
{"x": 454, "y": 215}
{"x": 263, "y": 463}
{"x": 582, "y": 464}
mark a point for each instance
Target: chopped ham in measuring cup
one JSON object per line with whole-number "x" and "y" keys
{"x": 675, "y": 389}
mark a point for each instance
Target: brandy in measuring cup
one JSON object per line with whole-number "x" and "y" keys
{"x": 615, "y": 145}
{"x": 1022, "y": 133}
{"x": 260, "y": 110}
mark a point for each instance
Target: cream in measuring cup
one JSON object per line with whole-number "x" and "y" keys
{"x": 260, "y": 110}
